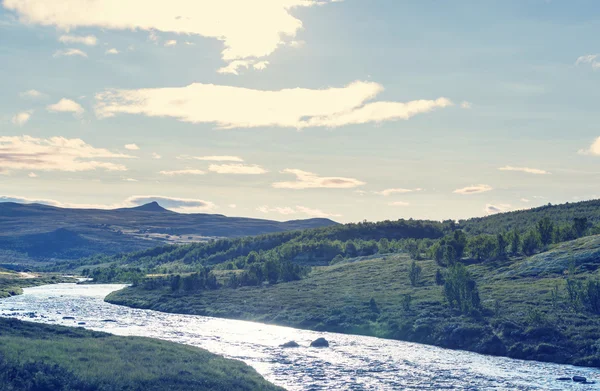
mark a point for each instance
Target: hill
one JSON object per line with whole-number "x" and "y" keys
{"x": 42, "y": 357}
{"x": 33, "y": 233}
{"x": 515, "y": 312}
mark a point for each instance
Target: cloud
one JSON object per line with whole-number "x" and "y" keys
{"x": 240, "y": 169}
{"x": 70, "y": 53}
{"x": 156, "y": 155}
{"x": 389, "y": 192}
{"x": 88, "y": 40}
{"x": 235, "y": 107}
{"x": 66, "y": 106}
{"x": 232, "y": 206}
{"x": 112, "y": 51}
{"x": 32, "y": 175}
{"x": 188, "y": 171}
{"x": 309, "y": 180}
{"x": 234, "y": 67}
{"x": 130, "y": 180}
{"x": 33, "y": 94}
{"x": 181, "y": 205}
{"x": 21, "y": 118}
{"x": 493, "y": 209}
{"x": 261, "y": 65}
{"x": 132, "y": 147}
{"x": 212, "y": 158}
{"x": 525, "y": 200}
{"x": 399, "y": 203}
{"x": 54, "y": 154}
{"x": 171, "y": 42}
{"x": 594, "y": 149}
{"x": 588, "y": 59}
{"x": 466, "y": 105}
{"x": 248, "y": 29}
{"x": 527, "y": 170}
{"x": 286, "y": 211}
{"x": 473, "y": 189}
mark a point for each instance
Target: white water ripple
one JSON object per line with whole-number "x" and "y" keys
{"x": 350, "y": 363}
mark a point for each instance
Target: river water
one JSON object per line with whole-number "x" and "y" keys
{"x": 351, "y": 363}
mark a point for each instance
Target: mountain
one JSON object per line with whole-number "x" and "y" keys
{"x": 36, "y": 233}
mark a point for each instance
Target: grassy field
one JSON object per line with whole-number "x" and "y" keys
{"x": 521, "y": 317}
{"x": 41, "y": 357}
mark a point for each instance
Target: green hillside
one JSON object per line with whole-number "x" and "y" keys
{"x": 35, "y": 357}
{"x": 515, "y": 312}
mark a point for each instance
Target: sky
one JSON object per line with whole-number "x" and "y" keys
{"x": 292, "y": 109}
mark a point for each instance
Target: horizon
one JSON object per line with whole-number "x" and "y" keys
{"x": 455, "y": 111}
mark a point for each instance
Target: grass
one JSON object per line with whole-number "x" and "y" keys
{"x": 99, "y": 361}
{"x": 520, "y": 318}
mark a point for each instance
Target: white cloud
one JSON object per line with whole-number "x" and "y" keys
{"x": 389, "y": 192}
{"x": 309, "y": 180}
{"x": 248, "y": 29}
{"x": 261, "y": 65}
{"x": 474, "y": 189}
{"x": 232, "y": 206}
{"x": 234, "y": 67}
{"x": 112, "y": 51}
{"x": 188, "y": 171}
{"x": 171, "y": 42}
{"x": 589, "y": 59}
{"x": 32, "y": 175}
{"x": 501, "y": 208}
{"x": 399, "y": 203}
{"x": 594, "y": 149}
{"x": 66, "y": 106}
{"x": 287, "y": 210}
{"x": 240, "y": 169}
{"x": 466, "y": 105}
{"x": 21, "y": 118}
{"x": 33, "y": 94}
{"x": 527, "y": 170}
{"x": 88, "y": 40}
{"x": 212, "y": 158}
{"x": 55, "y": 154}
{"x": 235, "y": 107}
{"x": 156, "y": 155}
{"x": 296, "y": 44}
{"x": 70, "y": 53}
{"x": 130, "y": 180}
{"x": 525, "y": 200}
{"x": 132, "y": 147}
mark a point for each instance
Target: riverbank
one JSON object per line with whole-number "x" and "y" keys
{"x": 12, "y": 283}
{"x": 36, "y": 357}
{"x": 525, "y": 313}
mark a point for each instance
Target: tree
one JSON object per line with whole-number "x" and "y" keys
{"x": 482, "y": 247}
{"x": 580, "y": 226}
{"x": 545, "y": 228}
{"x": 384, "y": 246}
{"x": 271, "y": 271}
{"x": 253, "y": 257}
{"x": 460, "y": 290}
{"x": 413, "y": 249}
{"x": 531, "y": 243}
{"x": 439, "y": 277}
{"x": 501, "y": 245}
{"x": 414, "y": 273}
{"x": 350, "y": 250}
{"x": 515, "y": 242}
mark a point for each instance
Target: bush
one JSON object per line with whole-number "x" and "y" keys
{"x": 460, "y": 290}
{"x": 414, "y": 273}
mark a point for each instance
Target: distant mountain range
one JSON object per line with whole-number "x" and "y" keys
{"x": 32, "y": 233}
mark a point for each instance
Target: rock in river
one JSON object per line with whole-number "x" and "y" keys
{"x": 291, "y": 344}
{"x": 579, "y": 379}
{"x": 320, "y": 343}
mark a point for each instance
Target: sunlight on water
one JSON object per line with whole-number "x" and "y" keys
{"x": 351, "y": 362}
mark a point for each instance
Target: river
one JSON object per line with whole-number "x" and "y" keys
{"x": 351, "y": 363}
